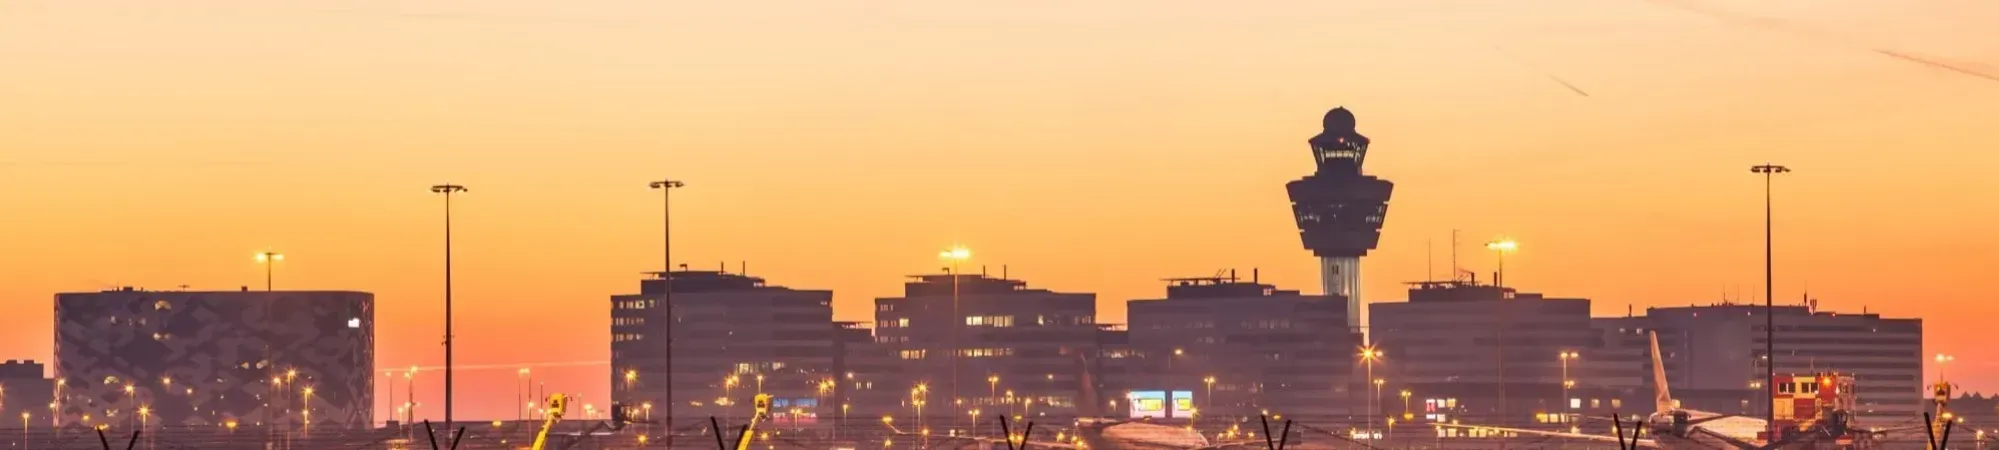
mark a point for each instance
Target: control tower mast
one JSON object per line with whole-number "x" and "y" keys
{"x": 1338, "y": 209}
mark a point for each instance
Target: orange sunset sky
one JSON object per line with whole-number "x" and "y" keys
{"x": 1090, "y": 146}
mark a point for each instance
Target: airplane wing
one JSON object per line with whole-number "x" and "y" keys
{"x": 1646, "y": 443}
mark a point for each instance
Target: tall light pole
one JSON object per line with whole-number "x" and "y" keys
{"x": 1367, "y": 356}
{"x": 447, "y": 190}
{"x": 1502, "y": 247}
{"x": 270, "y": 260}
{"x": 956, "y": 255}
{"x": 1567, "y": 356}
{"x": 1769, "y": 172}
{"x": 666, "y": 187}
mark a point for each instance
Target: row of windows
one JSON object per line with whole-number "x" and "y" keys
{"x": 624, "y": 321}
{"x": 985, "y": 352}
{"x": 633, "y": 304}
{"x": 912, "y": 354}
{"x": 989, "y": 321}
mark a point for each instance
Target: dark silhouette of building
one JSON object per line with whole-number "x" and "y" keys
{"x": 735, "y": 337}
{"x": 1714, "y": 356}
{"x": 1011, "y": 338}
{"x": 871, "y": 382}
{"x": 214, "y": 358}
{"x": 1243, "y": 347}
{"x": 1471, "y": 347}
{"x": 1338, "y": 209}
{"x": 24, "y": 389}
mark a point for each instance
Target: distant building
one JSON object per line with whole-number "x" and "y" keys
{"x": 1714, "y": 354}
{"x": 871, "y": 382}
{"x": 1451, "y": 342}
{"x": 1009, "y": 338}
{"x": 733, "y": 337}
{"x": 1243, "y": 347}
{"x": 24, "y": 389}
{"x": 211, "y": 358}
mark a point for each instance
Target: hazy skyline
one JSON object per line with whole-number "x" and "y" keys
{"x": 1090, "y": 147}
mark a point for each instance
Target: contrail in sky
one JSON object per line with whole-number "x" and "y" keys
{"x": 1537, "y": 69}
{"x": 1782, "y": 26}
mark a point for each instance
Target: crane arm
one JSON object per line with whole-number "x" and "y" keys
{"x": 556, "y": 403}
{"x": 762, "y": 412}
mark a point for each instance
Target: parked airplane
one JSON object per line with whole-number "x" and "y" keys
{"x": 1825, "y": 420}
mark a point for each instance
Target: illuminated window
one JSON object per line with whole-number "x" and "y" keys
{"x": 985, "y": 352}
{"x": 903, "y": 322}
{"x": 989, "y": 321}
{"x": 162, "y": 305}
{"x": 912, "y": 354}
{"x": 1616, "y": 403}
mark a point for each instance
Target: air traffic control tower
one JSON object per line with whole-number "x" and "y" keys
{"x": 1340, "y": 210}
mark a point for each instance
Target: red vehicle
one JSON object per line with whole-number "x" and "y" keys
{"x": 1819, "y": 403}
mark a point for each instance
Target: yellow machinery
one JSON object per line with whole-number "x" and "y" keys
{"x": 556, "y": 403}
{"x": 750, "y": 429}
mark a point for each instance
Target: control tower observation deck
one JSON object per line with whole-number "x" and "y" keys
{"x": 1339, "y": 210}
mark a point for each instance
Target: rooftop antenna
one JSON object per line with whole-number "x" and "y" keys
{"x": 1455, "y": 269}
{"x": 743, "y": 268}
{"x": 1429, "y": 260}
{"x": 982, "y": 270}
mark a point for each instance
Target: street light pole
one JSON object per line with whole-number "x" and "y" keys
{"x": 1769, "y": 172}
{"x": 270, "y": 260}
{"x": 447, "y": 190}
{"x": 666, "y": 188}
{"x": 956, "y": 255}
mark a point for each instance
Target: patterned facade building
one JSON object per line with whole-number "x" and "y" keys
{"x": 215, "y": 358}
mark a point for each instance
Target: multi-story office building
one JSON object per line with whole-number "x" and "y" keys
{"x": 24, "y": 389}
{"x": 733, "y": 337}
{"x": 1241, "y": 348}
{"x": 1483, "y": 353}
{"x": 1003, "y": 337}
{"x": 1715, "y": 354}
{"x": 214, "y": 358}
{"x": 871, "y": 382}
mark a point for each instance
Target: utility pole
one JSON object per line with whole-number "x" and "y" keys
{"x": 666, "y": 188}
{"x": 447, "y": 190}
{"x": 1769, "y": 171}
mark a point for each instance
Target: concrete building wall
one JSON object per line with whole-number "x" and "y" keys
{"x": 1264, "y": 349}
{"x": 25, "y": 389}
{"x": 209, "y": 358}
{"x": 768, "y": 339}
{"x": 1451, "y": 341}
{"x": 1021, "y": 337}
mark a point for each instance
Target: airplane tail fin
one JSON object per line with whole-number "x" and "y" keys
{"x": 1663, "y": 397}
{"x": 1088, "y": 401}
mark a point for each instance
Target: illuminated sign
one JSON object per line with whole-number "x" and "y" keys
{"x": 1147, "y": 404}
{"x": 1183, "y": 404}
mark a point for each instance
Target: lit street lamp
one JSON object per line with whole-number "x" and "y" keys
{"x": 956, "y": 255}
{"x": 269, "y": 260}
{"x": 1367, "y": 356}
{"x": 1567, "y": 383}
{"x": 1502, "y": 247}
